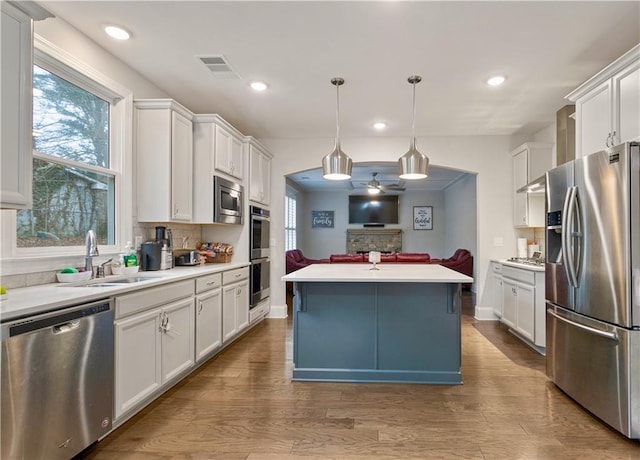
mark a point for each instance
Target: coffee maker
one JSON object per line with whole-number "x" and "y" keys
{"x": 165, "y": 238}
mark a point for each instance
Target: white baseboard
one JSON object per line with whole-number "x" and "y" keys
{"x": 484, "y": 314}
{"x": 278, "y": 311}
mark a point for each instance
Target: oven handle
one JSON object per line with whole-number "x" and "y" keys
{"x": 257, "y": 217}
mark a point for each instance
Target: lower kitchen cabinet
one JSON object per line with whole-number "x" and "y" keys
{"x": 523, "y": 304}
{"x": 509, "y": 307}
{"x": 235, "y": 303}
{"x": 177, "y": 339}
{"x": 152, "y": 348}
{"x": 208, "y": 316}
{"x": 137, "y": 360}
{"x": 162, "y": 332}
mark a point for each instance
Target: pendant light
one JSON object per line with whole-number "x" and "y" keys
{"x": 413, "y": 164}
{"x": 337, "y": 165}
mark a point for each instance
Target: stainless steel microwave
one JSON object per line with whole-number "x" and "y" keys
{"x": 227, "y": 201}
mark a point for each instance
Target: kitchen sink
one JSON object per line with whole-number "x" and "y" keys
{"x": 113, "y": 282}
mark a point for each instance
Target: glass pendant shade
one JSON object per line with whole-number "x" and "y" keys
{"x": 413, "y": 164}
{"x": 337, "y": 165}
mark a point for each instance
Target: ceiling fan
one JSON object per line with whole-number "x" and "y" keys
{"x": 374, "y": 186}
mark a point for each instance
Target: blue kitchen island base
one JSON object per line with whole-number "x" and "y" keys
{"x": 377, "y": 332}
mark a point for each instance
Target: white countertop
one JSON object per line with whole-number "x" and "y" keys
{"x": 387, "y": 273}
{"x": 33, "y": 300}
{"x": 533, "y": 268}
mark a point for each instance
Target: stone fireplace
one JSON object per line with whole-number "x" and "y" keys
{"x": 365, "y": 240}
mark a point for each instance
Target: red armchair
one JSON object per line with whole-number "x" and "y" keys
{"x": 461, "y": 261}
{"x": 295, "y": 260}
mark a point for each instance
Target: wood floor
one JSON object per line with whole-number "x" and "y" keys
{"x": 243, "y": 405}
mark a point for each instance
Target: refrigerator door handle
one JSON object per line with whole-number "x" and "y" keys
{"x": 608, "y": 335}
{"x": 567, "y": 234}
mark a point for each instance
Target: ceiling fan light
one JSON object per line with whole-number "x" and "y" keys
{"x": 373, "y": 191}
{"x": 337, "y": 165}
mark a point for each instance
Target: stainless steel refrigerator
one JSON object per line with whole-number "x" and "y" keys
{"x": 593, "y": 283}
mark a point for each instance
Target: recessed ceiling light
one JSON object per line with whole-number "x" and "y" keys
{"x": 258, "y": 86}
{"x": 117, "y": 32}
{"x": 379, "y": 125}
{"x": 496, "y": 81}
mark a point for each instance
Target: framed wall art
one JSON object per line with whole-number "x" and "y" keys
{"x": 423, "y": 217}
{"x": 322, "y": 219}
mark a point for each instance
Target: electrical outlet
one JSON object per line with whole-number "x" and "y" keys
{"x": 498, "y": 241}
{"x": 138, "y": 243}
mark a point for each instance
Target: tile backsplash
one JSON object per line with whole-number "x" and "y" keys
{"x": 192, "y": 233}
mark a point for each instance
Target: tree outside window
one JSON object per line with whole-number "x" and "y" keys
{"x": 73, "y": 187}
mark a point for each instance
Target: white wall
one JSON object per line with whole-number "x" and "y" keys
{"x": 488, "y": 156}
{"x": 320, "y": 243}
{"x": 63, "y": 35}
{"x": 460, "y": 202}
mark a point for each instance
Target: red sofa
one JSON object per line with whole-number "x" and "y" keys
{"x": 295, "y": 260}
{"x": 461, "y": 261}
{"x": 402, "y": 257}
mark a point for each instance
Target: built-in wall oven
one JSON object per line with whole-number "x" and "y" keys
{"x": 260, "y": 263}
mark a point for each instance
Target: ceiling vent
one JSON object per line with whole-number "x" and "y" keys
{"x": 218, "y": 66}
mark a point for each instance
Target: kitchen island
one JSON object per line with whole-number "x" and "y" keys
{"x": 400, "y": 323}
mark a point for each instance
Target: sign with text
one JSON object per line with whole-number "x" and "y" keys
{"x": 322, "y": 219}
{"x": 423, "y": 217}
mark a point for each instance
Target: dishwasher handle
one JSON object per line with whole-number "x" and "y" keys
{"x": 66, "y": 327}
{"x": 60, "y": 321}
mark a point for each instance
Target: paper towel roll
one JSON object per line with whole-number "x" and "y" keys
{"x": 522, "y": 247}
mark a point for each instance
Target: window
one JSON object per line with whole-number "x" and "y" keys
{"x": 290, "y": 223}
{"x": 73, "y": 185}
{"x": 82, "y": 163}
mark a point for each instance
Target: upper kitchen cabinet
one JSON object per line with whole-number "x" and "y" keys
{"x": 608, "y": 105}
{"x": 16, "y": 160}
{"x": 164, "y": 158}
{"x": 217, "y": 150}
{"x": 530, "y": 162}
{"x": 259, "y": 172}
{"x": 225, "y": 146}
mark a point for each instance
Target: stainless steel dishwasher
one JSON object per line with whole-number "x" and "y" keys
{"x": 56, "y": 382}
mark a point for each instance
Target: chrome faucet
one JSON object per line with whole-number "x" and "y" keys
{"x": 91, "y": 246}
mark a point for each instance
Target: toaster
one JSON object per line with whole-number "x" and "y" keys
{"x": 186, "y": 257}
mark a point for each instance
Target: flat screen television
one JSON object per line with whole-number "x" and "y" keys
{"x": 368, "y": 209}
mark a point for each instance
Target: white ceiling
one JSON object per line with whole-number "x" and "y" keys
{"x": 438, "y": 180}
{"x": 545, "y": 49}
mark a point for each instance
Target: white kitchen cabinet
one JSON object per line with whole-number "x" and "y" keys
{"x": 509, "y": 307}
{"x": 164, "y": 159}
{"x": 259, "y": 173}
{"x": 229, "y": 155}
{"x": 137, "y": 360}
{"x": 217, "y": 150}
{"x": 608, "y": 105}
{"x": 496, "y": 279}
{"x": 16, "y": 159}
{"x": 523, "y": 305}
{"x": 208, "y": 315}
{"x": 177, "y": 338}
{"x": 235, "y": 303}
{"x": 529, "y": 161}
{"x": 154, "y": 342}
